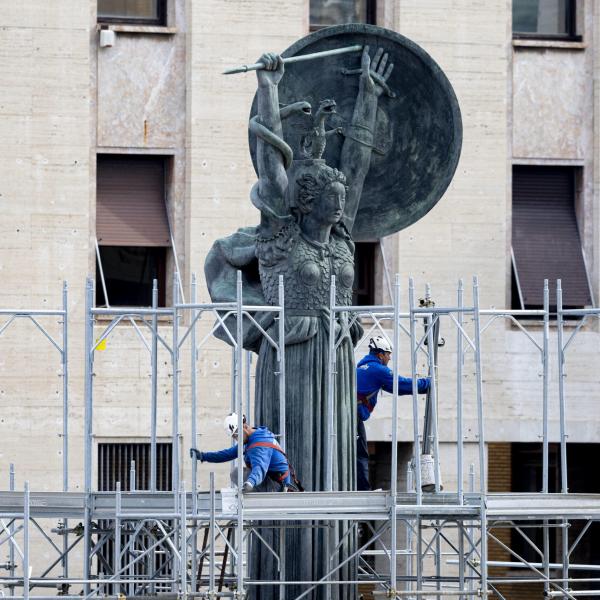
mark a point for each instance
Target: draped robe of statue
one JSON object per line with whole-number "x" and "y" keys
{"x": 285, "y": 243}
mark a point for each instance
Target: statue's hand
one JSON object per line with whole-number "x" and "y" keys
{"x": 273, "y": 71}
{"x": 374, "y": 75}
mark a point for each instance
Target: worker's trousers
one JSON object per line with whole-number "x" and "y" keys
{"x": 362, "y": 458}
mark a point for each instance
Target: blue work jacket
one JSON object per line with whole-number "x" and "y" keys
{"x": 260, "y": 459}
{"x": 372, "y": 376}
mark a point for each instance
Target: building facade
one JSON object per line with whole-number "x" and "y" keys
{"x": 125, "y": 157}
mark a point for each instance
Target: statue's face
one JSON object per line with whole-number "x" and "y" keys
{"x": 329, "y": 208}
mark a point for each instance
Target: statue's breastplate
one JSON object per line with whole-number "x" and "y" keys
{"x": 307, "y": 269}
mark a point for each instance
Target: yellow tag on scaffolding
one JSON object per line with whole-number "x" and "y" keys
{"x": 101, "y": 347}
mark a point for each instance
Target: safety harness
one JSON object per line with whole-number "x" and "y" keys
{"x": 280, "y": 478}
{"x": 364, "y": 400}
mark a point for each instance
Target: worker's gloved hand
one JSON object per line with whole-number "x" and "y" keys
{"x": 247, "y": 487}
{"x": 196, "y": 453}
{"x": 423, "y": 385}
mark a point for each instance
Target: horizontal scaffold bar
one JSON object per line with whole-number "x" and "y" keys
{"x": 305, "y": 506}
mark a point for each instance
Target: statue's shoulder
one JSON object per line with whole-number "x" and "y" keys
{"x": 274, "y": 244}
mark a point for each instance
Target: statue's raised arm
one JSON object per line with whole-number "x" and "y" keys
{"x": 358, "y": 145}
{"x": 273, "y": 154}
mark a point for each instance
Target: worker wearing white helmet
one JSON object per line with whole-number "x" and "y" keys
{"x": 262, "y": 454}
{"x": 373, "y": 375}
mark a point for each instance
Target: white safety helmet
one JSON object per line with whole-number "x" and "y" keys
{"x": 380, "y": 343}
{"x": 231, "y": 423}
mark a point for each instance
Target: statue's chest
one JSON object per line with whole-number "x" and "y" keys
{"x": 307, "y": 271}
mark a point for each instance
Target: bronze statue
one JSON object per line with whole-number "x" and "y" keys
{"x": 310, "y": 189}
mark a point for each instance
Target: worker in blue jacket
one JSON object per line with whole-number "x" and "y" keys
{"x": 262, "y": 454}
{"x": 372, "y": 375}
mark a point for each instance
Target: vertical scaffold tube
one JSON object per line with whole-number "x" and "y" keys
{"x": 248, "y": 393}
{"x": 233, "y": 404}
{"x": 564, "y": 482}
{"x": 282, "y": 417}
{"x": 153, "y": 386}
{"x": 89, "y": 366}
{"x": 211, "y": 531}
{"x": 26, "y": 507}
{"x": 545, "y": 388}
{"x": 459, "y": 433}
{"x": 65, "y": 433}
{"x": 65, "y": 387}
{"x": 281, "y": 360}
{"x": 183, "y": 594}
{"x": 239, "y": 361}
{"x": 471, "y": 529}
{"x": 409, "y": 532}
{"x": 193, "y": 435}
{"x": 329, "y": 447}
{"x": 561, "y": 389}
{"x": 11, "y": 529}
{"x": 480, "y": 428}
{"x": 117, "y": 540}
{"x": 175, "y": 408}
{"x": 415, "y": 399}
{"x": 545, "y": 382}
{"x": 394, "y": 470}
{"x": 459, "y": 398}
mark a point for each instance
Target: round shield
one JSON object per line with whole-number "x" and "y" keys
{"x": 418, "y": 132}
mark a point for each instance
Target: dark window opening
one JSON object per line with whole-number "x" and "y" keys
{"x": 545, "y": 19}
{"x": 115, "y": 465}
{"x": 324, "y": 13}
{"x": 128, "y": 275}
{"x": 364, "y": 274}
{"x": 115, "y": 461}
{"x": 132, "y": 230}
{"x": 545, "y": 238}
{"x": 527, "y": 477}
{"x": 141, "y": 12}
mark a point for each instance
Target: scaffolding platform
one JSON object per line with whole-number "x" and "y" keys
{"x": 195, "y": 543}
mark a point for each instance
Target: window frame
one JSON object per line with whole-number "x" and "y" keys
{"x": 170, "y": 258}
{"x": 517, "y": 296}
{"x": 571, "y": 26}
{"x": 159, "y": 21}
{"x": 370, "y": 17}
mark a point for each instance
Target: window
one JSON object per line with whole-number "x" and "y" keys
{"x": 544, "y": 19}
{"x": 132, "y": 230}
{"x": 517, "y": 467}
{"x": 142, "y": 12}
{"x": 115, "y": 462}
{"x": 115, "y": 465}
{"x": 364, "y": 274}
{"x": 324, "y": 13}
{"x": 545, "y": 238}
{"x": 527, "y": 477}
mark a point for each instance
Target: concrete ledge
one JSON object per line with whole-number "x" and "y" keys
{"x": 138, "y": 28}
{"x": 555, "y": 44}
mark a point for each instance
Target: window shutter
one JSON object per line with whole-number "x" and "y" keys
{"x": 545, "y": 237}
{"x": 130, "y": 202}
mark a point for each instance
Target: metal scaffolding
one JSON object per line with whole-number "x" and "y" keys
{"x": 193, "y": 542}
